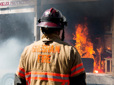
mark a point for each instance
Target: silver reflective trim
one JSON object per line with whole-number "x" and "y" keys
{"x": 66, "y": 83}
{"x": 27, "y": 82}
{"x": 28, "y": 75}
{"x": 47, "y": 76}
{"x": 21, "y": 72}
{"x": 77, "y": 69}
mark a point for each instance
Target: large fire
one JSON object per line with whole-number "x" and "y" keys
{"x": 85, "y": 47}
{"x": 83, "y": 43}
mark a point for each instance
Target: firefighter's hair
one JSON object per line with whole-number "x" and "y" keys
{"x": 52, "y": 30}
{"x": 49, "y": 30}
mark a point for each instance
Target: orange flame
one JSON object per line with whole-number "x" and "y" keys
{"x": 98, "y": 59}
{"x": 85, "y": 47}
{"x": 83, "y": 43}
{"x": 108, "y": 48}
{"x": 96, "y": 71}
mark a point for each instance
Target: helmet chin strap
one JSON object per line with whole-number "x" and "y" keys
{"x": 63, "y": 36}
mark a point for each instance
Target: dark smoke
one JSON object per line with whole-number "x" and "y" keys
{"x": 98, "y": 13}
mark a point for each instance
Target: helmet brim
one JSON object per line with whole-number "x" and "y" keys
{"x": 49, "y": 25}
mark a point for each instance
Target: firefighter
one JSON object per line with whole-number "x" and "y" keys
{"x": 50, "y": 61}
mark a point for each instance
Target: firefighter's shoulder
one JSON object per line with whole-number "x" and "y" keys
{"x": 69, "y": 45}
{"x": 29, "y": 47}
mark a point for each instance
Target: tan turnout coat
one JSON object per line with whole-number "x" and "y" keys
{"x": 49, "y": 61}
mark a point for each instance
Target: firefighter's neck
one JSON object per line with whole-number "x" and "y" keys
{"x": 57, "y": 33}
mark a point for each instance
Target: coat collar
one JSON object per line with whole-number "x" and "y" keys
{"x": 50, "y": 37}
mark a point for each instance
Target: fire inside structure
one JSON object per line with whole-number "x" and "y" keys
{"x": 89, "y": 30}
{"x": 86, "y": 48}
{"x": 93, "y": 47}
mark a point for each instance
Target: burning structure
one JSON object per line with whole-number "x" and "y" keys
{"x": 89, "y": 30}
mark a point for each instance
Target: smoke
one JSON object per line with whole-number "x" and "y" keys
{"x": 16, "y": 32}
{"x": 10, "y": 52}
{"x": 98, "y": 14}
{"x": 18, "y": 25}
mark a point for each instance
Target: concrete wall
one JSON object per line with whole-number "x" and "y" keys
{"x": 63, "y": 1}
{"x": 113, "y": 43}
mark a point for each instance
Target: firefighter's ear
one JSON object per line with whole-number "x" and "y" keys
{"x": 63, "y": 35}
{"x": 65, "y": 23}
{"x": 39, "y": 20}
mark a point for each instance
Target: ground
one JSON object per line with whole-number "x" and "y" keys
{"x": 99, "y": 79}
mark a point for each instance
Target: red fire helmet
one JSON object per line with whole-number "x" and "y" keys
{"x": 52, "y": 18}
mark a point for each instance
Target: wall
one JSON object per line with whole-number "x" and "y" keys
{"x": 113, "y": 43}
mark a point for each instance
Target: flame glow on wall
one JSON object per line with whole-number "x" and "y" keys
{"x": 86, "y": 48}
